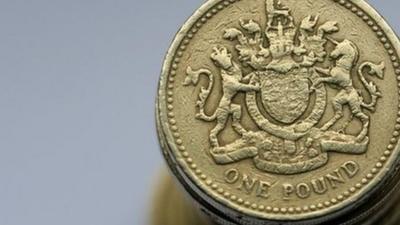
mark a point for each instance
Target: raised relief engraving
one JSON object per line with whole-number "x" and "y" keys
{"x": 321, "y": 185}
{"x": 286, "y": 96}
{"x": 232, "y": 77}
{"x": 250, "y": 185}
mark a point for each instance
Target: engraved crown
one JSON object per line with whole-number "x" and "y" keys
{"x": 280, "y": 29}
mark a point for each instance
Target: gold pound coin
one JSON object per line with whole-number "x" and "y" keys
{"x": 283, "y": 112}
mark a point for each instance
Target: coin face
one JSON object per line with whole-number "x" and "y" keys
{"x": 282, "y": 110}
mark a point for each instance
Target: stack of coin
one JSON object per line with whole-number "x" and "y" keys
{"x": 283, "y": 112}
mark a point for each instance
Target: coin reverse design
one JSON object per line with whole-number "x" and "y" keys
{"x": 282, "y": 110}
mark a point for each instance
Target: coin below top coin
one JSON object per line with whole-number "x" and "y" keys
{"x": 282, "y": 110}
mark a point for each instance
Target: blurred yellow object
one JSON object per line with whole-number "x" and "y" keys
{"x": 173, "y": 207}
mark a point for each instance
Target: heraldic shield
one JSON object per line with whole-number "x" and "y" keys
{"x": 286, "y": 93}
{"x": 286, "y": 97}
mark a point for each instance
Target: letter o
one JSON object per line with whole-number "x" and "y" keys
{"x": 232, "y": 176}
{"x": 303, "y": 190}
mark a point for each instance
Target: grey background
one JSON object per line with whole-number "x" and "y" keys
{"x": 77, "y": 86}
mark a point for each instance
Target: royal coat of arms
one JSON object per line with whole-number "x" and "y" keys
{"x": 286, "y": 92}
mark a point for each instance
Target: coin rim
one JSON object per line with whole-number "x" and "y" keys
{"x": 200, "y": 183}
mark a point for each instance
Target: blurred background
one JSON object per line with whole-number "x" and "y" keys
{"x": 78, "y": 80}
